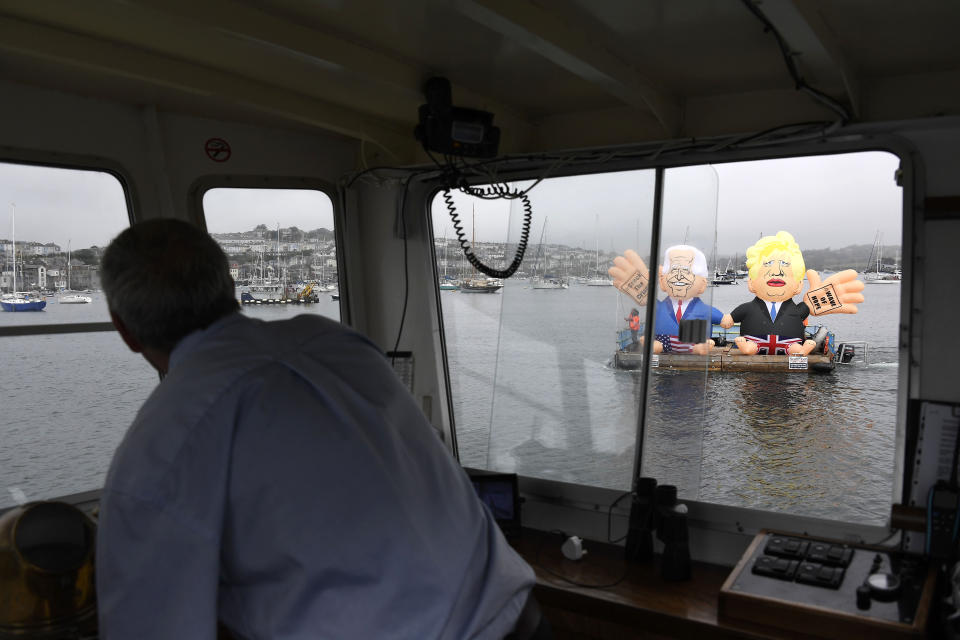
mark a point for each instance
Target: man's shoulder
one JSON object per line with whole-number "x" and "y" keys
{"x": 746, "y": 306}
{"x": 794, "y": 307}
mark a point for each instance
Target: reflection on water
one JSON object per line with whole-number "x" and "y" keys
{"x": 534, "y": 393}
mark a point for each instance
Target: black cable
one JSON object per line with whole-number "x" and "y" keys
{"x": 605, "y": 585}
{"x": 467, "y": 248}
{"x": 799, "y": 83}
{"x": 406, "y": 270}
{"x": 610, "y": 517}
{"x": 880, "y": 542}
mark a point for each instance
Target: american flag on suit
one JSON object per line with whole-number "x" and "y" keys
{"x": 671, "y": 344}
{"x": 773, "y": 344}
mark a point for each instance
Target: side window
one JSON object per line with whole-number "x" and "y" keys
{"x": 69, "y": 392}
{"x": 549, "y": 380}
{"x": 281, "y": 247}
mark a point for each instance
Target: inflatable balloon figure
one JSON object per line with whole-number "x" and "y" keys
{"x": 683, "y": 277}
{"x": 772, "y": 323}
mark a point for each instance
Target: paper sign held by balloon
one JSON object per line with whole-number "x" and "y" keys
{"x": 824, "y": 300}
{"x": 636, "y": 288}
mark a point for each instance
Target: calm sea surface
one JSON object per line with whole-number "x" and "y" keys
{"x": 536, "y": 364}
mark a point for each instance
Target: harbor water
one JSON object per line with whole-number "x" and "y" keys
{"x": 537, "y": 394}
{"x": 534, "y": 392}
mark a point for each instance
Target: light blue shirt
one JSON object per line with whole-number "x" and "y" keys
{"x": 283, "y": 480}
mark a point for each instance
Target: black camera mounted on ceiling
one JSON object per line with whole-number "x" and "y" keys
{"x": 458, "y": 132}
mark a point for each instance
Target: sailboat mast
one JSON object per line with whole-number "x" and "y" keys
{"x": 473, "y": 239}
{"x": 13, "y": 241}
{"x": 596, "y": 238}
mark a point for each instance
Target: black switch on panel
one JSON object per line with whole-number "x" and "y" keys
{"x": 820, "y": 575}
{"x": 772, "y": 567}
{"x": 787, "y": 547}
{"x": 833, "y": 554}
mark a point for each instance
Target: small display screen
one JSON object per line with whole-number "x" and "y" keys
{"x": 497, "y": 494}
{"x": 500, "y": 492}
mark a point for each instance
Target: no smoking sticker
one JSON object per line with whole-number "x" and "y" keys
{"x": 217, "y": 149}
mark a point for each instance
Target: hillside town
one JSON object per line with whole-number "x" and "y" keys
{"x": 265, "y": 256}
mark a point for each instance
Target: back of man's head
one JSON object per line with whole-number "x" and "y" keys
{"x": 165, "y": 279}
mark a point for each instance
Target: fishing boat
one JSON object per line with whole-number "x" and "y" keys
{"x": 476, "y": 284}
{"x": 481, "y": 285}
{"x": 19, "y": 300}
{"x": 449, "y": 285}
{"x": 724, "y": 356}
{"x": 247, "y": 298}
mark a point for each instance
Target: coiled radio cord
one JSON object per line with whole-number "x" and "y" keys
{"x": 491, "y": 192}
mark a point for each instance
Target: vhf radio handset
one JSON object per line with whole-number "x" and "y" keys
{"x": 943, "y": 513}
{"x": 943, "y": 516}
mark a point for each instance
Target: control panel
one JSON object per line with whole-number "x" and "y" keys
{"x": 829, "y": 589}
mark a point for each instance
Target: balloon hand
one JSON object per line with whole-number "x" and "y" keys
{"x": 839, "y": 293}
{"x": 631, "y": 276}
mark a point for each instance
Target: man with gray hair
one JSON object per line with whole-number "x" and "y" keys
{"x": 281, "y": 480}
{"x": 683, "y": 276}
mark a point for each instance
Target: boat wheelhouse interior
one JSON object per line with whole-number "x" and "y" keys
{"x": 373, "y": 161}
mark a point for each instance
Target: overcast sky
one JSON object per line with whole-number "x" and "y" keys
{"x": 826, "y": 201}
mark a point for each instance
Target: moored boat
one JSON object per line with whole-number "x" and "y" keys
{"x": 22, "y": 301}
{"x": 481, "y": 285}
{"x": 19, "y": 300}
{"x": 247, "y": 298}
{"x": 550, "y": 283}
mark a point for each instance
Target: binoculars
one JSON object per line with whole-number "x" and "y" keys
{"x": 655, "y": 509}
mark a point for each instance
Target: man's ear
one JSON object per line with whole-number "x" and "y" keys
{"x": 699, "y": 286}
{"x": 128, "y": 338}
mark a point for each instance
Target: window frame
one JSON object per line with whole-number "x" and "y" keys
{"x": 76, "y": 162}
{"x": 199, "y": 188}
{"x": 46, "y": 160}
{"x": 728, "y": 528}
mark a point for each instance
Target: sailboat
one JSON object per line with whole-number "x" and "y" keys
{"x": 19, "y": 300}
{"x": 878, "y": 276}
{"x": 540, "y": 280}
{"x": 72, "y": 298}
{"x": 477, "y": 284}
{"x": 597, "y": 280}
{"x": 727, "y": 276}
{"x": 447, "y": 283}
